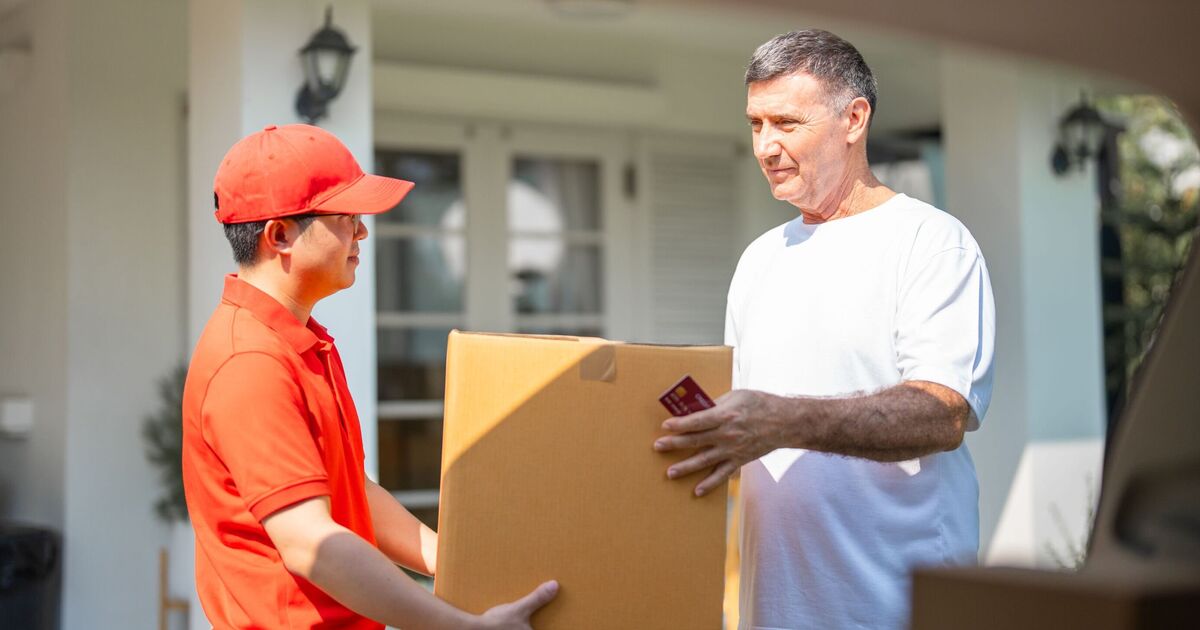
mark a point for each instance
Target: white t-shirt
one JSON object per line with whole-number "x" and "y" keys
{"x": 899, "y": 292}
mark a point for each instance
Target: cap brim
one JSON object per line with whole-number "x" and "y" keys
{"x": 371, "y": 194}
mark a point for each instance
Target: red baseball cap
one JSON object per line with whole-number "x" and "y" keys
{"x": 297, "y": 169}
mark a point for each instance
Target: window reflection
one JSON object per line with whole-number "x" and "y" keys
{"x": 554, "y": 217}
{"x": 412, "y": 363}
{"x": 415, "y": 274}
{"x": 438, "y": 180}
{"x": 420, "y": 254}
{"x": 415, "y": 449}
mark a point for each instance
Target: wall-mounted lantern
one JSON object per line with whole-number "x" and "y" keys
{"x": 1081, "y": 131}
{"x": 326, "y": 60}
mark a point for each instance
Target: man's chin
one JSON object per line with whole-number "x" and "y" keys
{"x": 783, "y": 193}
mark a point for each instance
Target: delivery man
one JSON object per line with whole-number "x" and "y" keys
{"x": 289, "y": 531}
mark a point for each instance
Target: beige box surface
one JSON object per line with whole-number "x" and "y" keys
{"x": 548, "y": 472}
{"x": 999, "y": 598}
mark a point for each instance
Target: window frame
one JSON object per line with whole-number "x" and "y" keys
{"x": 487, "y": 151}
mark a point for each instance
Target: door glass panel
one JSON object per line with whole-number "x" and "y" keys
{"x": 420, "y": 273}
{"x": 414, "y": 449}
{"x": 412, "y": 363}
{"x": 554, "y": 221}
{"x": 436, "y": 200}
{"x": 552, "y": 194}
{"x": 572, "y": 284}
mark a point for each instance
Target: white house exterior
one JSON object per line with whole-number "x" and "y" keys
{"x": 114, "y": 114}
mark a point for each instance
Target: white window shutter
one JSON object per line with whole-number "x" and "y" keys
{"x": 689, "y": 202}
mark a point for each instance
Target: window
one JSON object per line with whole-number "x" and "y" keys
{"x": 556, "y": 243}
{"x": 555, "y": 200}
{"x": 420, "y": 274}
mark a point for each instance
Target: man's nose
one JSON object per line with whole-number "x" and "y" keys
{"x": 766, "y": 144}
{"x": 361, "y": 232}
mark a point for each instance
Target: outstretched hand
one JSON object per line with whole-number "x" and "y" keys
{"x": 515, "y": 615}
{"x": 735, "y": 431}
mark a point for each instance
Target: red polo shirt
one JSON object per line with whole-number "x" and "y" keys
{"x": 267, "y": 422}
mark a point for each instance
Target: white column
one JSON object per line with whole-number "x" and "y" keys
{"x": 1040, "y": 446}
{"x": 245, "y": 71}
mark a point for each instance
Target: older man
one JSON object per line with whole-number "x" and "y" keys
{"x": 863, "y": 335}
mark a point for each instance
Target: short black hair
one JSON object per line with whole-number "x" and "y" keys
{"x": 243, "y": 237}
{"x": 833, "y": 61}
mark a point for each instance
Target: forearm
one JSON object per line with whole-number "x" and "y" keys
{"x": 903, "y": 422}
{"x": 358, "y": 575}
{"x": 399, "y": 534}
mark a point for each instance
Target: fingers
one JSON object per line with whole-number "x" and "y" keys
{"x": 677, "y": 442}
{"x": 539, "y": 597}
{"x": 699, "y": 421}
{"x": 700, "y": 461}
{"x": 718, "y": 476}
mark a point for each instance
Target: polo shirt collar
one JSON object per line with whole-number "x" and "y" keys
{"x": 271, "y": 313}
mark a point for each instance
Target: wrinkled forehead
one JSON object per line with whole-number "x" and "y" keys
{"x": 798, "y": 92}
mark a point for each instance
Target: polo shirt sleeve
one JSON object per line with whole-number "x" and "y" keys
{"x": 945, "y": 326}
{"x": 255, "y": 419}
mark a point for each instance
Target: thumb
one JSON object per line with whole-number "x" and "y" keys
{"x": 540, "y": 596}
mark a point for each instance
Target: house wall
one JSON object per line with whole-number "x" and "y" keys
{"x": 92, "y": 307}
{"x": 124, "y": 295}
{"x": 33, "y": 255}
{"x": 1040, "y": 447}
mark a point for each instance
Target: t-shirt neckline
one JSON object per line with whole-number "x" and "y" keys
{"x": 851, "y": 219}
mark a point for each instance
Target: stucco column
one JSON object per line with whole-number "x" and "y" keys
{"x": 244, "y": 74}
{"x": 1041, "y": 444}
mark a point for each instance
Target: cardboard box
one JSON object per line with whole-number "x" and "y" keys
{"x": 1004, "y": 598}
{"x": 548, "y": 472}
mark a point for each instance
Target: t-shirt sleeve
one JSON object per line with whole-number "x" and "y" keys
{"x": 255, "y": 419}
{"x": 731, "y": 340}
{"x": 734, "y": 300}
{"x": 945, "y": 327}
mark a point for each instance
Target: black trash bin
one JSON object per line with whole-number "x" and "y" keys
{"x": 29, "y": 577}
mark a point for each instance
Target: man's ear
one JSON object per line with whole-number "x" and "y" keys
{"x": 278, "y": 237}
{"x": 858, "y": 120}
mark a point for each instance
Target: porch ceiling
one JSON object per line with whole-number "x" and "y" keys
{"x": 526, "y": 36}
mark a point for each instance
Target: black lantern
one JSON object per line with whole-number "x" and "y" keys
{"x": 1080, "y": 134}
{"x": 326, "y": 60}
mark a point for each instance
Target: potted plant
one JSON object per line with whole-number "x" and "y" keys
{"x": 162, "y": 432}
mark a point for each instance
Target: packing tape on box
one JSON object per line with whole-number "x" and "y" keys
{"x": 600, "y": 364}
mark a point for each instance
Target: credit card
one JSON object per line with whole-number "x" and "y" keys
{"x": 685, "y": 397}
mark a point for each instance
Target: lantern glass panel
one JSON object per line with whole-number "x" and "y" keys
{"x": 312, "y": 75}
{"x": 328, "y": 68}
{"x": 1075, "y": 138}
{"x": 343, "y": 69}
{"x": 1095, "y": 136}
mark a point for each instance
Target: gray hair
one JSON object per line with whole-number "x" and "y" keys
{"x": 831, "y": 60}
